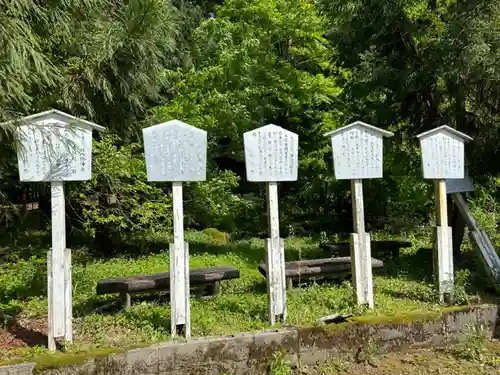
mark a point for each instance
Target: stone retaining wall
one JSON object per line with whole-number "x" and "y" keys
{"x": 246, "y": 354}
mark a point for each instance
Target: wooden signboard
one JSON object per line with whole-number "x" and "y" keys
{"x": 271, "y": 155}
{"x": 442, "y": 151}
{"x": 56, "y": 147}
{"x": 460, "y": 185}
{"x": 357, "y": 154}
{"x": 177, "y": 152}
{"x": 357, "y": 151}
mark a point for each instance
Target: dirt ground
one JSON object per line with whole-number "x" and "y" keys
{"x": 452, "y": 361}
{"x": 23, "y": 332}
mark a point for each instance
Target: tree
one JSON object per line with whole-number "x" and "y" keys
{"x": 260, "y": 62}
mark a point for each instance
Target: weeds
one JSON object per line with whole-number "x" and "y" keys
{"x": 474, "y": 344}
{"x": 333, "y": 366}
{"x": 278, "y": 364}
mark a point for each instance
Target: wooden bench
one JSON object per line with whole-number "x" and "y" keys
{"x": 204, "y": 281}
{"x": 328, "y": 268}
{"x": 343, "y": 249}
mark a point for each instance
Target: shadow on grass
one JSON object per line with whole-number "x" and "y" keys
{"x": 419, "y": 267}
{"x": 22, "y": 281}
{"x": 29, "y": 336}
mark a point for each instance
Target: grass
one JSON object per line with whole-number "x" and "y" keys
{"x": 404, "y": 288}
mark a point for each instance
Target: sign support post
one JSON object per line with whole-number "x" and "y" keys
{"x": 443, "y": 249}
{"x": 179, "y": 269}
{"x": 443, "y": 158}
{"x": 275, "y": 259}
{"x": 52, "y": 151}
{"x": 177, "y": 152}
{"x": 357, "y": 155}
{"x": 361, "y": 248}
{"x": 271, "y": 156}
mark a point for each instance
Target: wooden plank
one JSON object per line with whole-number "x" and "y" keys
{"x": 318, "y": 267}
{"x": 443, "y": 245}
{"x": 161, "y": 281}
{"x": 460, "y": 185}
{"x": 481, "y": 241}
{"x": 360, "y": 249}
{"x": 445, "y": 276}
{"x": 178, "y": 262}
{"x": 58, "y": 249}
{"x": 462, "y": 206}
{"x": 489, "y": 258}
{"x": 343, "y": 249}
{"x": 367, "y": 269}
{"x": 50, "y": 331}
{"x": 68, "y": 293}
{"x": 276, "y": 283}
{"x": 187, "y": 303}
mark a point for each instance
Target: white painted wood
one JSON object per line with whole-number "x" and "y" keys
{"x": 361, "y": 249}
{"x": 179, "y": 267}
{"x": 368, "y": 272}
{"x": 444, "y": 251}
{"x": 357, "y": 151}
{"x": 187, "y": 330}
{"x": 275, "y": 250}
{"x": 272, "y": 211}
{"x": 271, "y": 154}
{"x": 175, "y": 151}
{"x": 58, "y": 249}
{"x": 51, "y": 150}
{"x": 443, "y": 245}
{"x": 358, "y": 208}
{"x": 46, "y": 116}
{"x": 50, "y": 330}
{"x": 68, "y": 293}
{"x": 443, "y": 153}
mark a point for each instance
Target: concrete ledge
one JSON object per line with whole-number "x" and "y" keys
{"x": 247, "y": 353}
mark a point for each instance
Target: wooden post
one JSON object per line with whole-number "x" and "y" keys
{"x": 50, "y": 331}
{"x": 275, "y": 259}
{"x": 179, "y": 269}
{"x": 58, "y": 309}
{"x": 68, "y": 297}
{"x": 361, "y": 249}
{"x": 443, "y": 252}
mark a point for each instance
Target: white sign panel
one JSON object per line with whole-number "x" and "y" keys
{"x": 271, "y": 154}
{"x": 54, "y": 152}
{"x": 175, "y": 151}
{"x": 443, "y": 153}
{"x": 357, "y": 151}
{"x": 462, "y": 185}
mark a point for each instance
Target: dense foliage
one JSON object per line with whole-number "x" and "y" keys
{"x": 231, "y": 66}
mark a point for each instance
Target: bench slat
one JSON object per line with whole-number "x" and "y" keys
{"x": 161, "y": 281}
{"x": 326, "y": 266}
{"x": 344, "y": 248}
